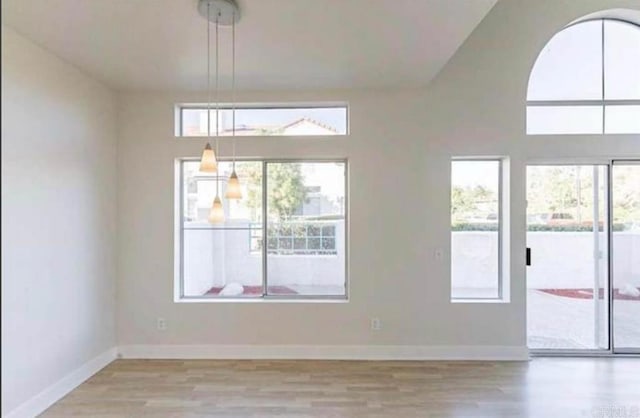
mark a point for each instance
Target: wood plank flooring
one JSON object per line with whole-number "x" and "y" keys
{"x": 545, "y": 388}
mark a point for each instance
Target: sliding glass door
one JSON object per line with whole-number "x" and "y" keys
{"x": 567, "y": 303}
{"x": 625, "y": 193}
{"x": 583, "y": 245}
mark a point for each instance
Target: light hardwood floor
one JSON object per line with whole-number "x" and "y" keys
{"x": 547, "y": 388}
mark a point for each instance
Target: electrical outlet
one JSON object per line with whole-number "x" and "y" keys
{"x": 161, "y": 324}
{"x": 376, "y": 325}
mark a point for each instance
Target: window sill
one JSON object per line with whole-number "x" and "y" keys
{"x": 336, "y": 299}
{"x": 241, "y": 137}
{"x": 303, "y": 255}
{"x": 498, "y": 301}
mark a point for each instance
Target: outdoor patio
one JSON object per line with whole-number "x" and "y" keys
{"x": 559, "y": 322}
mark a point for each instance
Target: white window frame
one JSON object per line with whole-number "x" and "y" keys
{"x": 179, "y": 295}
{"x": 602, "y": 103}
{"x": 503, "y": 234}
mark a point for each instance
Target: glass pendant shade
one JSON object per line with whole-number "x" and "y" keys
{"x": 208, "y": 163}
{"x": 233, "y": 187}
{"x": 216, "y": 215}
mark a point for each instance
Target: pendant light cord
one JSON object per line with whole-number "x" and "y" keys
{"x": 233, "y": 86}
{"x": 208, "y": 72}
{"x": 217, "y": 103}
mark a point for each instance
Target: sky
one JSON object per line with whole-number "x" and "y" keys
{"x": 588, "y": 61}
{"x": 475, "y": 173}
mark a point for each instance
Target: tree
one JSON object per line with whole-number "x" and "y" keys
{"x": 466, "y": 201}
{"x": 461, "y": 200}
{"x": 286, "y": 190}
{"x": 626, "y": 193}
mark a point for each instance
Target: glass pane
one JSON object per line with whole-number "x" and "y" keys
{"x": 626, "y": 257}
{"x": 549, "y": 120}
{"x": 570, "y": 65}
{"x": 567, "y": 280}
{"x": 304, "y": 200}
{"x": 475, "y": 214}
{"x": 268, "y": 121}
{"x": 313, "y": 244}
{"x": 200, "y": 190}
{"x": 220, "y": 262}
{"x": 622, "y": 60}
{"x": 622, "y": 119}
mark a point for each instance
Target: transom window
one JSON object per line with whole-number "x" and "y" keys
{"x": 587, "y": 81}
{"x": 263, "y": 120}
{"x": 299, "y": 206}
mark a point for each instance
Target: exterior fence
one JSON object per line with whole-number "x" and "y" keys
{"x": 214, "y": 258}
{"x": 560, "y": 260}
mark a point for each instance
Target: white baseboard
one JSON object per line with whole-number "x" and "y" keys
{"x": 325, "y": 352}
{"x": 58, "y": 390}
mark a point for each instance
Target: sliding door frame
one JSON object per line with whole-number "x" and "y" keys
{"x": 633, "y": 351}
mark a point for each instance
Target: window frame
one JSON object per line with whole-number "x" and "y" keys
{"x": 180, "y": 107}
{"x": 602, "y": 103}
{"x": 502, "y": 296}
{"x": 179, "y": 192}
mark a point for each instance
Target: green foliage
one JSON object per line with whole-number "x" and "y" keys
{"x": 270, "y": 131}
{"x": 286, "y": 190}
{"x": 460, "y": 201}
{"x": 533, "y": 228}
{"x": 626, "y": 196}
{"x": 569, "y": 189}
{"x": 473, "y": 227}
{"x": 465, "y": 200}
{"x": 571, "y": 228}
{"x": 252, "y": 171}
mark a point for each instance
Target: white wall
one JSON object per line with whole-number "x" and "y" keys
{"x": 58, "y": 219}
{"x": 476, "y": 107}
{"x": 399, "y": 155}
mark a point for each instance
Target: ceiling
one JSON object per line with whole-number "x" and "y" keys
{"x": 160, "y": 45}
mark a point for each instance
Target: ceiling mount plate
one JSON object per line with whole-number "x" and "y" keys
{"x": 225, "y": 12}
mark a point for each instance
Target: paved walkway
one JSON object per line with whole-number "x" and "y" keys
{"x": 555, "y": 322}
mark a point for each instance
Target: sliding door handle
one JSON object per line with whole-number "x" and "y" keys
{"x": 528, "y": 256}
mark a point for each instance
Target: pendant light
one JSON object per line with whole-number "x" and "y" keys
{"x": 234, "y": 191}
{"x": 225, "y": 12}
{"x": 216, "y": 214}
{"x": 208, "y": 162}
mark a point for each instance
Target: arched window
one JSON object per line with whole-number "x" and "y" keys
{"x": 586, "y": 80}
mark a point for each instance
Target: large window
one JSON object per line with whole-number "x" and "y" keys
{"x": 476, "y": 229}
{"x": 285, "y": 239}
{"x": 269, "y": 120}
{"x": 587, "y": 81}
